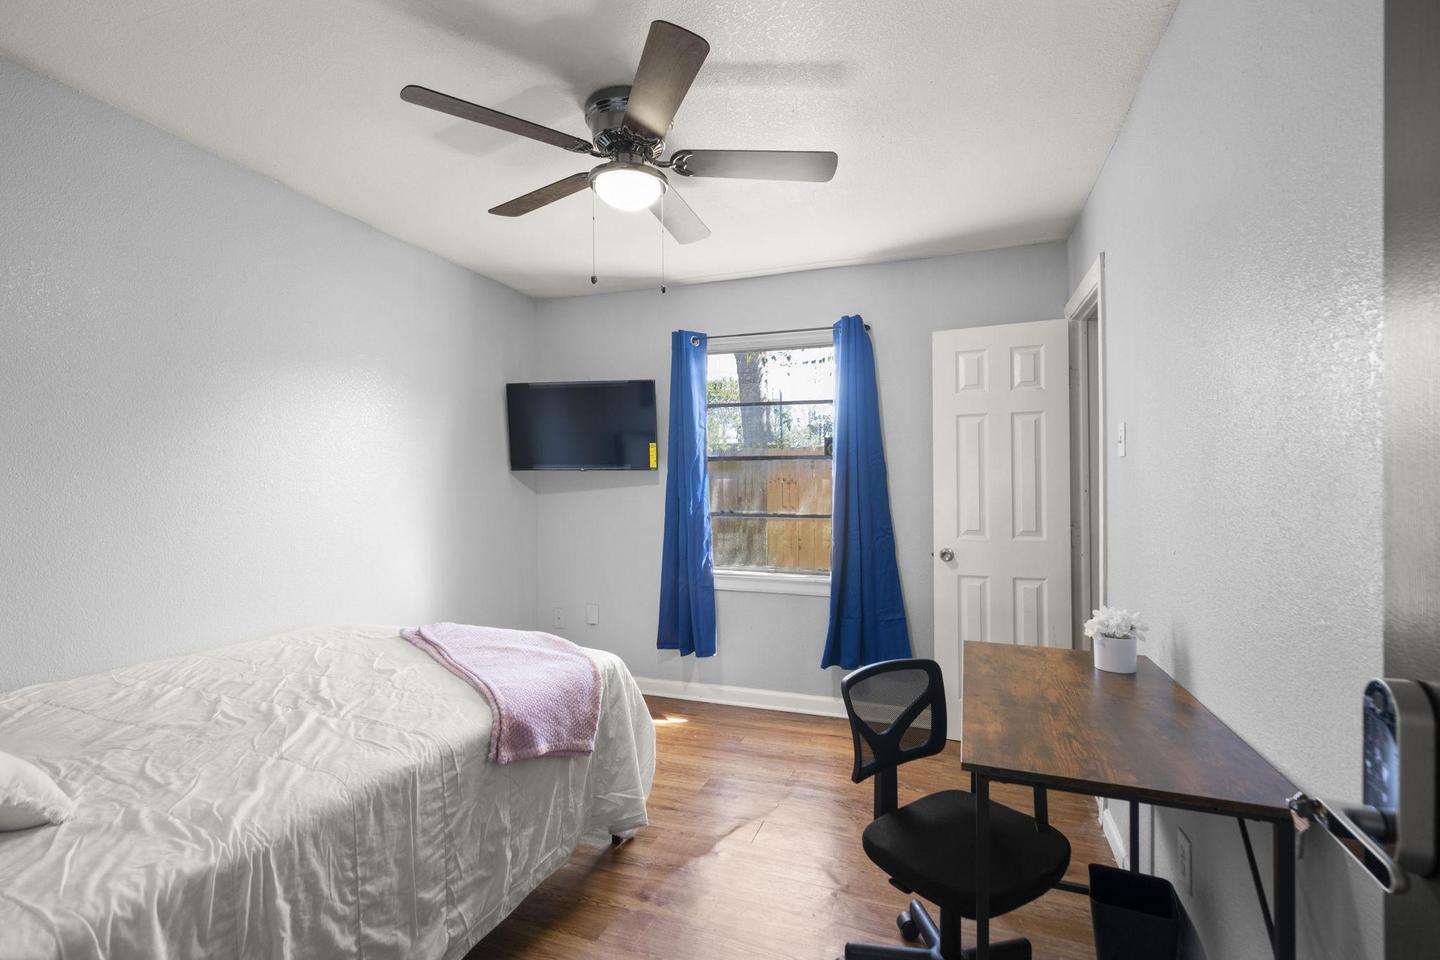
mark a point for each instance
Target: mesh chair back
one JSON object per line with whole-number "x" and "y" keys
{"x": 897, "y": 714}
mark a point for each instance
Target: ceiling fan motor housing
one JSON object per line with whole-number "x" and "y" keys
{"x": 605, "y": 112}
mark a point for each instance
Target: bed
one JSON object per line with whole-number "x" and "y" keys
{"x": 322, "y": 793}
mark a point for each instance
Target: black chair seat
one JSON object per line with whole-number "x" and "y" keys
{"x": 929, "y": 847}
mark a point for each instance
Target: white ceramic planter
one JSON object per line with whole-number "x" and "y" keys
{"x": 1114, "y": 654}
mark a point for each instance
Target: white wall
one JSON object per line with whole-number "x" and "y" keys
{"x": 1240, "y": 217}
{"x": 600, "y": 534}
{"x": 227, "y": 410}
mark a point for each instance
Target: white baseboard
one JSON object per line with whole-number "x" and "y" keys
{"x": 743, "y": 696}
{"x": 1112, "y": 834}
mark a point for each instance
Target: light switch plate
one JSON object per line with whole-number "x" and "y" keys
{"x": 592, "y": 613}
{"x": 1120, "y": 440}
{"x": 557, "y": 618}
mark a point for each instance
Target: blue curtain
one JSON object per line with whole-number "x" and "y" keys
{"x": 687, "y": 574}
{"x": 867, "y": 611}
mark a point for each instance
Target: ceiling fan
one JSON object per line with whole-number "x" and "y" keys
{"x": 628, "y": 126}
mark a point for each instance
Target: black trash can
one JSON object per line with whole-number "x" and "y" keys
{"x": 1136, "y": 917}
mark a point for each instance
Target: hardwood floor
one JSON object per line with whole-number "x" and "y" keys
{"x": 753, "y": 853}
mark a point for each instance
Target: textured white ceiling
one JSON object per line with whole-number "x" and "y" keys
{"x": 960, "y": 125}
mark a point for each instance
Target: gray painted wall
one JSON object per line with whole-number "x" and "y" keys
{"x": 227, "y": 410}
{"x": 1240, "y": 217}
{"x": 600, "y": 534}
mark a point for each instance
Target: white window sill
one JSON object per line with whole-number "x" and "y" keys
{"x": 758, "y": 581}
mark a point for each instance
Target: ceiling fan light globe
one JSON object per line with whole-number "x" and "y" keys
{"x": 629, "y": 187}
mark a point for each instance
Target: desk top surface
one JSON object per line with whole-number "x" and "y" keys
{"x": 1039, "y": 715}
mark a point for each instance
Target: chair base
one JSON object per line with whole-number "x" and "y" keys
{"x": 916, "y": 920}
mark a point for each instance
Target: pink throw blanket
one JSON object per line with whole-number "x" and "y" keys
{"x": 544, "y": 692}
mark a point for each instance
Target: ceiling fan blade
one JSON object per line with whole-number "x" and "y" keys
{"x": 679, "y": 220}
{"x": 816, "y": 166}
{"x": 668, "y": 65}
{"x": 465, "y": 110}
{"x": 549, "y": 193}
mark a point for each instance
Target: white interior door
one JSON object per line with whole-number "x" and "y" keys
{"x": 1002, "y": 490}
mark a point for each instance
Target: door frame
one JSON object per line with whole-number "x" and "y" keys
{"x": 1412, "y": 393}
{"x": 1086, "y": 306}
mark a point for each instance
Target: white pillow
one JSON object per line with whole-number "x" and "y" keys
{"x": 29, "y": 798}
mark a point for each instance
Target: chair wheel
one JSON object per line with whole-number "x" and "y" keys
{"x": 909, "y": 929}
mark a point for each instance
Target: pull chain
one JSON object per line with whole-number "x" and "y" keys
{"x": 662, "y": 241}
{"x": 593, "y": 279}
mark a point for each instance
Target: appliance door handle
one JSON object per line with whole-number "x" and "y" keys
{"x": 1390, "y": 876}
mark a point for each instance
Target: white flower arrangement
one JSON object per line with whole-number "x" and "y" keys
{"x": 1114, "y": 622}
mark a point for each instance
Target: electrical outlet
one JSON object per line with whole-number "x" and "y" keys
{"x": 592, "y": 613}
{"x": 557, "y": 618}
{"x": 1186, "y": 864}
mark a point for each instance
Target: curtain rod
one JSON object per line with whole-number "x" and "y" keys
{"x": 695, "y": 341}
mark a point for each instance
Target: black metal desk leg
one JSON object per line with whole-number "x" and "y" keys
{"x": 1134, "y": 836}
{"x": 982, "y": 867}
{"x": 1284, "y": 890}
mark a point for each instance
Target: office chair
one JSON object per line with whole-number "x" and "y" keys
{"x": 897, "y": 714}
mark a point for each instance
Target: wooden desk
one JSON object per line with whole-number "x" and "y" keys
{"x": 1048, "y": 718}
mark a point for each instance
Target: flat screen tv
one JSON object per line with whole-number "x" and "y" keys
{"x": 595, "y": 425}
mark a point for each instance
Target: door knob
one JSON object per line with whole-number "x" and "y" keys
{"x": 947, "y": 554}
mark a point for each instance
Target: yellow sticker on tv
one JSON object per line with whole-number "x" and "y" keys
{"x": 653, "y": 461}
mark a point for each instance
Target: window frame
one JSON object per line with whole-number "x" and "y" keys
{"x": 738, "y": 579}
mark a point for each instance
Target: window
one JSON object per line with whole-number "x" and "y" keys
{"x": 770, "y": 424}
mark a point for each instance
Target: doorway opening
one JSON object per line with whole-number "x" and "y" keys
{"x": 1086, "y": 314}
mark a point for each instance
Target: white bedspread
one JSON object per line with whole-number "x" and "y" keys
{"x": 323, "y": 793}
